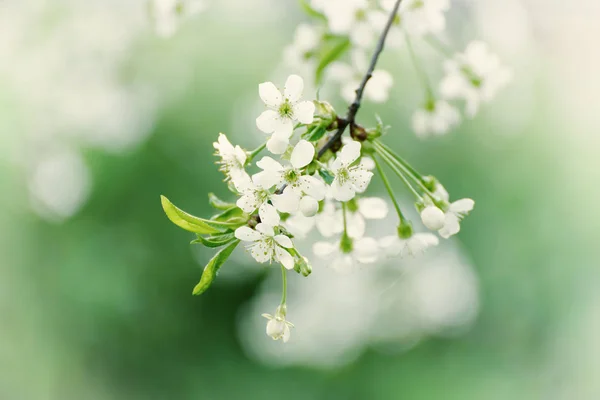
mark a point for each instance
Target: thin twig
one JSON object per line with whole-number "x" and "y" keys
{"x": 355, "y": 106}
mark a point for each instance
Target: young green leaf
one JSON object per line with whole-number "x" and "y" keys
{"x": 311, "y": 12}
{"x": 232, "y": 215}
{"x": 186, "y": 221}
{"x": 317, "y": 134}
{"x": 213, "y": 266}
{"x": 217, "y": 203}
{"x": 340, "y": 46}
{"x": 327, "y": 177}
{"x": 215, "y": 241}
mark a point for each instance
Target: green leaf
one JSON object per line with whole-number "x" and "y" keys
{"x": 340, "y": 46}
{"x": 317, "y": 134}
{"x": 187, "y": 221}
{"x": 311, "y": 11}
{"x": 215, "y": 241}
{"x": 217, "y": 203}
{"x": 232, "y": 215}
{"x": 212, "y": 268}
{"x": 327, "y": 177}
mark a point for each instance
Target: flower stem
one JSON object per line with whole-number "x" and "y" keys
{"x": 388, "y": 187}
{"x": 284, "y": 282}
{"x": 256, "y": 151}
{"x": 344, "y": 216}
{"x": 390, "y": 162}
{"x": 415, "y": 174}
{"x": 420, "y": 71}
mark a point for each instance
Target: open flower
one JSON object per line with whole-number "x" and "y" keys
{"x": 420, "y": 17}
{"x": 346, "y": 254}
{"x": 330, "y": 221}
{"x": 474, "y": 76}
{"x": 414, "y": 245}
{"x": 284, "y": 111}
{"x": 350, "y": 76}
{"x": 232, "y": 161}
{"x": 446, "y": 223}
{"x": 435, "y": 119}
{"x": 349, "y": 179}
{"x": 267, "y": 246}
{"x": 307, "y": 190}
{"x": 278, "y": 327}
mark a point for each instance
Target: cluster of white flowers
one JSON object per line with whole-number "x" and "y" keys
{"x": 353, "y": 26}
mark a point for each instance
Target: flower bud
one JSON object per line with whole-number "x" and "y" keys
{"x": 433, "y": 218}
{"x": 309, "y": 206}
{"x": 302, "y": 266}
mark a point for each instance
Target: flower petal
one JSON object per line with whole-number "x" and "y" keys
{"x": 261, "y": 252}
{"x": 284, "y": 258}
{"x": 303, "y": 154}
{"x": 248, "y": 202}
{"x": 277, "y": 144}
{"x": 269, "y": 94}
{"x": 265, "y": 229}
{"x": 247, "y": 234}
{"x": 284, "y": 241}
{"x": 268, "y": 215}
{"x": 366, "y": 250}
{"x": 350, "y": 153}
{"x": 360, "y": 179}
{"x": 283, "y": 127}
{"x": 372, "y": 207}
{"x": 293, "y": 88}
{"x": 288, "y": 201}
{"x": 462, "y": 206}
{"x": 451, "y": 226}
{"x": 267, "y": 121}
{"x": 313, "y": 187}
{"x": 343, "y": 192}
{"x": 355, "y": 225}
{"x": 304, "y": 112}
{"x": 286, "y": 332}
{"x": 309, "y": 206}
{"x": 325, "y": 249}
{"x": 268, "y": 164}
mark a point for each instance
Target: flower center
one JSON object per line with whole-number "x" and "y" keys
{"x": 286, "y": 110}
{"x": 343, "y": 175}
{"x": 291, "y": 175}
{"x": 346, "y": 245}
{"x": 473, "y": 78}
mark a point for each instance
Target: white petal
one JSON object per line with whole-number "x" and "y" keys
{"x": 462, "y": 206}
{"x": 267, "y": 179}
{"x": 269, "y": 94}
{"x": 267, "y": 121}
{"x": 268, "y": 164}
{"x": 433, "y": 218}
{"x": 293, "y": 88}
{"x": 284, "y": 258}
{"x": 343, "y": 192}
{"x": 313, "y": 187}
{"x": 360, "y": 179}
{"x": 330, "y": 221}
{"x": 286, "y": 332}
{"x": 309, "y": 206}
{"x": 248, "y": 202}
{"x": 325, "y": 249}
{"x": 304, "y": 112}
{"x": 355, "y": 224}
{"x": 367, "y": 163}
{"x": 342, "y": 263}
{"x": 392, "y": 245}
{"x": 299, "y": 225}
{"x": 303, "y": 154}
{"x": 349, "y": 153}
{"x": 261, "y": 252}
{"x": 247, "y": 234}
{"x": 451, "y": 226}
{"x": 277, "y": 145}
{"x": 265, "y": 229}
{"x": 373, "y": 207}
{"x": 269, "y": 215}
{"x": 366, "y": 250}
{"x": 288, "y": 201}
{"x": 283, "y": 127}
{"x": 284, "y": 241}
{"x": 275, "y": 328}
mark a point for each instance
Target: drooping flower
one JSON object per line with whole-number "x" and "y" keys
{"x": 474, "y": 76}
{"x": 168, "y": 13}
{"x": 233, "y": 160}
{"x": 278, "y": 327}
{"x": 348, "y": 178}
{"x": 284, "y": 111}
{"x": 307, "y": 189}
{"x": 346, "y": 254}
{"x": 267, "y": 246}
{"x": 456, "y": 212}
{"x": 416, "y": 244}
{"x": 350, "y": 76}
{"x": 435, "y": 119}
{"x": 433, "y": 217}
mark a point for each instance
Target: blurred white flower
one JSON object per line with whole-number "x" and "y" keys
{"x": 267, "y": 246}
{"x": 456, "y": 212}
{"x": 420, "y": 17}
{"x": 474, "y": 76}
{"x": 361, "y": 251}
{"x": 278, "y": 327}
{"x": 284, "y": 111}
{"x": 330, "y": 220}
{"x": 350, "y": 76}
{"x": 349, "y": 179}
{"x": 306, "y": 40}
{"x": 437, "y": 119}
{"x": 414, "y": 245}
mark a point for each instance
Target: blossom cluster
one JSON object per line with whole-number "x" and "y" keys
{"x": 341, "y": 27}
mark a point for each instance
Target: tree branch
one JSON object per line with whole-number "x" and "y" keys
{"x": 355, "y": 106}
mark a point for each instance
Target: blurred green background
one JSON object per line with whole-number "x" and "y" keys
{"x": 95, "y": 301}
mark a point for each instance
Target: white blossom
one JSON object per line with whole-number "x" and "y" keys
{"x": 348, "y": 178}
{"x": 284, "y": 111}
{"x": 301, "y": 190}
{"x": 456, "y": 212}
{"x": 299, "y": 225}
{"x": 349, "y": 76}
{"x": 437, "y": 119}
{"x": 416, "y": 244}
{"x": 267, "y": 246}
{"x": 433, "y": 218}
{"x": 232, "y": 161}
{"x": 474, "y": 76}
{"x": 254, "y": 195}
{"x": 306, "y": 40}
{"x": 278, "y": 327}
{"x": 363, "y": 251}
{"x": 331, "y": 220}
{"x": 420, "y": 17}
{"x": 168, "y": 13}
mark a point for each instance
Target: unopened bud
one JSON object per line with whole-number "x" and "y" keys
{"x": 433, "y": 218}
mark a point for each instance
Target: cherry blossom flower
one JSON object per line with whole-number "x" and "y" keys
{"x": 284, "y": 111}
{"x": 414, "y": 245}
{"x": 474, "y": 76}
{"x": 307, "y": 189}
{"x": 278, "y": 327}
{"x": 349, "y": 179}
{"x": 433, "y": 218}
{"x": 232, "y": 161}
{"x": 446, "y": 223}
{"x": 331, "y": 220}
{"x": 436, "y": 119}
{"x": 420, "y": 17}
{"x": 168, "y": 13}
{"x": 362, "y": 251}
{"x": 254, "y": 195}
{"x": 267, "y": 246}
{"x": 349, "y": 77}
{"x": 306, "y": 40}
